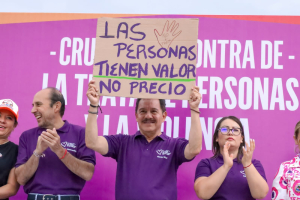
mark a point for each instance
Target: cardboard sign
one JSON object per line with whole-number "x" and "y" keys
{"x": 146, "y": 58}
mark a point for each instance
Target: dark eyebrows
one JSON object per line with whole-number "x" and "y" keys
{"x": 229, "y": 127}
{"x": 236, "y": 127}
{"x": 150, "y": 109}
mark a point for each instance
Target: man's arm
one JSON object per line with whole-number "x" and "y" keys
{"x": 83, "y": 169}
{"x": 12, "y": 186}
{"x": 92, "y": 140}
{"x": 194, "y": 146}
{"x": 26, "y": 171}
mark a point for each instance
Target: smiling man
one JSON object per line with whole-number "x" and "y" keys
{"x": 149, "y": 159}
{"x": 53, "y": 160}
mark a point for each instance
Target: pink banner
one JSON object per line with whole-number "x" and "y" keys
{"x": 247, "y": 69}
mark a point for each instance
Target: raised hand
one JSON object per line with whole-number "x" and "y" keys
{"x": 248, "y": 153}
{"x": 228, "y": 159}
{"x": 92, "y": 93}
{"x": 168, "y": 34}
{"x": 195, "y": 98}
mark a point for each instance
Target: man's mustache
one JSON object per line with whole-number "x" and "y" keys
{"x": 149, "y": 120}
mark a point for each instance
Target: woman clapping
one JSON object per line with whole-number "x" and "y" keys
{"x": 231, "y": 173}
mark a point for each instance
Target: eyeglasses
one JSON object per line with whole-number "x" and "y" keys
{"x": 234, "y": 131}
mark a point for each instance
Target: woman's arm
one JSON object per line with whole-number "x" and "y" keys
{"x": 12, "y": 186}
{"x": 257, "y": 184}
{"x": 206, "y": 187}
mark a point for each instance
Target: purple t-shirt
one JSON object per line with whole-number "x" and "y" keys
{"x": 146, "y": 171}
{"x": 235, "y": 185}
{"x": 52, "y": 176}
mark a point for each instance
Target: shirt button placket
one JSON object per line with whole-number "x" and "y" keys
{"x": 146, "y": 145}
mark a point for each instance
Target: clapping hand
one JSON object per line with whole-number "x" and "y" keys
{"x": 228, "y": 159}
{"x": 41, "y": 146}
{"x": 52, "y": 139}
{"x": 248, "y": 153}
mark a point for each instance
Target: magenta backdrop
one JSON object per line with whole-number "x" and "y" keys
{"x": 25, "y": 62}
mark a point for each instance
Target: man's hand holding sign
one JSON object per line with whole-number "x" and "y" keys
{"x": 133, "y": 60}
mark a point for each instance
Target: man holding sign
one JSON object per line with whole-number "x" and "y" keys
{"x": 149, "y": 159}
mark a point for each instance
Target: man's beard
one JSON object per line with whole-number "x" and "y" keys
{"x": 45, "y": 124}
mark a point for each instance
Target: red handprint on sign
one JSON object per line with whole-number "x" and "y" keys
{"x": 168, "y": 34}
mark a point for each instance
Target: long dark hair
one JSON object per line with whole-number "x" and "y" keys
{"x": 216, "y": 147}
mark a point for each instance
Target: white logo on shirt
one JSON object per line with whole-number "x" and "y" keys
{"x": 163, "y": 153}
{"x": 243, "y": 172}
{"x": 69, "y": 145}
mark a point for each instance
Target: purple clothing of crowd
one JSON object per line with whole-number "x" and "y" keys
{"x": 52, "y": 176}
{"x": 146, "y": 170}
{"x": 235, "y": 185}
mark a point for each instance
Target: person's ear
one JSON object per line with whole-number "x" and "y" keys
{"x": 57, "y": 106}
{"x": 296, "y": 141}
{"x": 165, "y": 114}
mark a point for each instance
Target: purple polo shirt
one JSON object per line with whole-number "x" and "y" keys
{"x": 146, "y": 171}
{"x": 235, "y": 185}
{"x": 52, "y": 176}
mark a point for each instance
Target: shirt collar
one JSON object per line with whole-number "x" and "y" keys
{"x": 65, "y": 128}
{"x": 163, "y": 136}
{"x": 295, "y": 161}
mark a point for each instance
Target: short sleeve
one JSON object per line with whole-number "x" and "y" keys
{"x": 279, "y": 190}
{"x": 203, "y": 169}
{"x": 22, "y": 151}
{"x": 114, "y": 143}
{"x": 257, "y": 164}
{"x": 180, "y": 147}
{"x": 16, "y": 149}
{"x": 84, "y": 153}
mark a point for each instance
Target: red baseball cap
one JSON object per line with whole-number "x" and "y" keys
{"x": 8, "y": 104}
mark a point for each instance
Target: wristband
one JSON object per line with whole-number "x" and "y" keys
{"x": 247, "y": 166}
{"x": 96, "y": 113}
{"x": 38, "y": 155}
{"x": 196, "y": 111}
{"x": 95, "y": 107}
{"x": 64, "y": 154}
